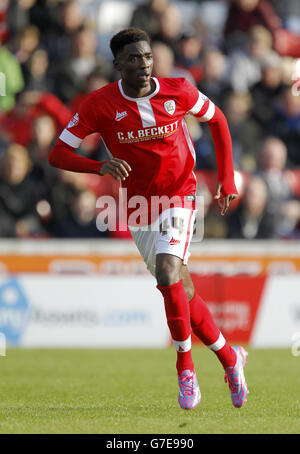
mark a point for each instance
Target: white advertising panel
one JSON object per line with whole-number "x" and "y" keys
{"x": 278, "y": 318}
{"x": 39, "y": 310}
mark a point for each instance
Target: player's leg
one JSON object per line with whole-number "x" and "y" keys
{"x": 169, "y": 282}
{"x": 168, "y": 276}
{"x": 203, "y": 325}
{"x": 164, "y": 246}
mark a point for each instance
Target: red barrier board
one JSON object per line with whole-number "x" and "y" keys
{"x": 233, "y": 302}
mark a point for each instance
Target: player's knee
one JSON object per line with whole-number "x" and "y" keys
{"x": 167, "y": 272}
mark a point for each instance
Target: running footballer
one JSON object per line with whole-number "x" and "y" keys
{"x": 141, "y": 121}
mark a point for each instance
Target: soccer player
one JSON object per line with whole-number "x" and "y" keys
{"x": 141, "y": 121}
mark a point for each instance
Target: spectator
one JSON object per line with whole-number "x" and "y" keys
{"x": 44, "y": 136}
{"x": 189, "y": 53}
{"x": 170, "y": 29}
{"x": 243, "y": 15}
{"x": 285, "y": 124}
{"x": 215, "y": 226}
{"x": 17, "y": 124}
{"x": 19, "y": 194}
{"x": 245, "y": 132}
{"x": 36, "y": 72}
{"x": 266, "y": 92}
{"x": 245, "y": 64}
{"x": 282, "y": 206}
{"x": 190, "y": 48}
{"x": 164, "y": 63}
{"x": 62, "y": 193}
{"x": 18, "y": 15}
{"x": 147, "y": 16}
{"x": 81, "y": 221}
{"x": 73, "y": 71}
{"x": 25, "y": 43}
{"x": 214, "y": 82}
{"x": 58, "y": 24}
{"x": 250, "y": 221}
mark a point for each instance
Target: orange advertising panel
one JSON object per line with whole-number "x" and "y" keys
{"x": 132, "y": 263}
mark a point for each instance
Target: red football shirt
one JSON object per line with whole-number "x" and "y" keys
{"x": 150, "y": 133}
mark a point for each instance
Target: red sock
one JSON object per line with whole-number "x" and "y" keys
{"x": 205, "y": 328}
{"x": 178, "y": 318}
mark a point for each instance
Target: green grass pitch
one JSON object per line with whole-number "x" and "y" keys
{"x": 135, "y": 392}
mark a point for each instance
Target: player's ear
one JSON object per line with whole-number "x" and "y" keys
{"x": 116, "y": 63}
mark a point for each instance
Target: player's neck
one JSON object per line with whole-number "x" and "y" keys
{"x": 138, "y": 92}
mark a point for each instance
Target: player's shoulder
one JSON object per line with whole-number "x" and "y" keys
{"x": 177, "y": 83}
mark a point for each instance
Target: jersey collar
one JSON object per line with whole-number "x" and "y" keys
{"x": 144, "y": 98}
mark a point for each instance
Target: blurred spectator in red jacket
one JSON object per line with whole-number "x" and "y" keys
{"x": 244, "y": 14}
{"x": 17, "y": 124}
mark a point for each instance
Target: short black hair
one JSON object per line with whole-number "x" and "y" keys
{"x": 127, "y": 36}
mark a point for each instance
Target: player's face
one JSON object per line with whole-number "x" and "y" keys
{"x": 135, "y": 63}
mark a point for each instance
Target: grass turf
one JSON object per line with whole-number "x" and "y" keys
{"x": 135, "y": 392}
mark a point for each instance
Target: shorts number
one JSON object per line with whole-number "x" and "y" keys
{"x": 176, "y": 222}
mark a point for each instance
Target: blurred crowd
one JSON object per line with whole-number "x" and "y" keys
{"x": 243, "y": 54}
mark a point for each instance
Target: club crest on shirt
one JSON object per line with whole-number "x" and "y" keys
{"x": 74, "y": 121}
{"x": 169, "y": 106}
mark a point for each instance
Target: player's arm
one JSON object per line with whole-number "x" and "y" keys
{"x": 206, "y": 111}
{"x": 62, "y": 154}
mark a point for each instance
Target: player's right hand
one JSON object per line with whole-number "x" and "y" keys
{"x": 117, "y": 168}
{"x": 225, "y": 201}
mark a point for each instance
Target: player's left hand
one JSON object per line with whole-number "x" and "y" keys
{"x": 223, "y": 202}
